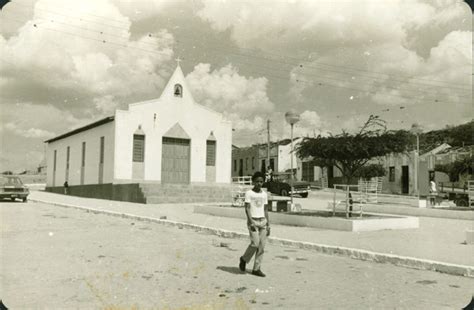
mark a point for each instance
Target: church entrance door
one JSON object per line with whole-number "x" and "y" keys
{"x": 175, "y": 160}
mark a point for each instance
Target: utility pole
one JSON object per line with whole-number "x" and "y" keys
{"x": 268, "y": 144}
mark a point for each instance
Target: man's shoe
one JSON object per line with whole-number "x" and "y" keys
{"x": 242, "y": 264}
{"x": 258, "y": 273}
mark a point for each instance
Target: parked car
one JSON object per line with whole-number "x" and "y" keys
{"x": 11, "y": 187}
{"x": 280, "y": 185}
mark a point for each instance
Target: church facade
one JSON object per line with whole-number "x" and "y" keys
{"x": 170, "y": 140}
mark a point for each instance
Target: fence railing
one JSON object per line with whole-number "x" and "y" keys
{"x": 244, "y": 180}
{"x": 356, "y": 195}
{"x": 352, "y": 198}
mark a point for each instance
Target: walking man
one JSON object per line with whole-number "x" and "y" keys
{"x": 256, "y": 208}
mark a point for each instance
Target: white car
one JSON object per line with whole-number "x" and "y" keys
{"x": 11, "y": 187}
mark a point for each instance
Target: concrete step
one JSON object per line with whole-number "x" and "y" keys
{"x": 185, "y": 193}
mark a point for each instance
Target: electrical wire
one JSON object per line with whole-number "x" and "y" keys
{"x": 253, "y": 51}
{"x": 299, "y": 81}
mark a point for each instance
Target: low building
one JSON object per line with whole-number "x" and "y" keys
{"x": 400, "y": 176}
{"x": 169, "y": 140}
{"x": 248, "y": 160}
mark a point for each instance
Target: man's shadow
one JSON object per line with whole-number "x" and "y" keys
{"x": 234, "y": 270}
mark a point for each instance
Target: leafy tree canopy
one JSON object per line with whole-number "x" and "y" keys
{"x": 455, "y": 136}
{"x": 457, "y": 168}
{"x": 349, "y": 152}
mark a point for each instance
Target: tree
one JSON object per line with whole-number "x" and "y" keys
{"x": 456, "y": 168}
{"x": 350, "y": 152}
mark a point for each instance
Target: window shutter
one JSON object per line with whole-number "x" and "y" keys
{"x": 138, "y": 148}
{"x": 210, "y": 153}
{"x": 102, "y": 146}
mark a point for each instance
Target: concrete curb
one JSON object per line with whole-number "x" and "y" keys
{"x": 397, "y": 260}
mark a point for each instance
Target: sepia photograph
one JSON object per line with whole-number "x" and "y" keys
{"x": 236, "y": 154}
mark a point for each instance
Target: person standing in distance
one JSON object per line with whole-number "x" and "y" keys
{"x": 433, "y": 192}
{"x": 256, "y": 208}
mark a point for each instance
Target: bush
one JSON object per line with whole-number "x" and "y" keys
{"x": 369, "y": 171}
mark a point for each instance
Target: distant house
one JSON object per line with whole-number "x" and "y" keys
{"x": 247, "y": 160}
{"x": 400, "y": 177}
{"x": 170, "y": 140}
{"x": 322, "y": 177}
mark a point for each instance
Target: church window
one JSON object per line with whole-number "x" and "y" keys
{"x": 138, "y": 148}
{"x": 178, "y": 90}
{"x": 210, "y": 153}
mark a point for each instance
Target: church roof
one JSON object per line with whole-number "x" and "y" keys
{"x": 81, "y": 129}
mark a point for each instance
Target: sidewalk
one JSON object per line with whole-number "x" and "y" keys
{"x": 438, "y": 240}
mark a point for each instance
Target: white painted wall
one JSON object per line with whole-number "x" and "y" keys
{"x": 284, "y": 157}
{"x": 196, "y": 120}
{"x": 92, "y": 139}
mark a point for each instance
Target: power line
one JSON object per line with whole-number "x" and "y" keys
{"x": 95, "y": 39}
{"x": 324, "y": 83}
{"x": 313, "y": 65}
{"x": 74, "y": 17}
{"x": 320, "y": 83}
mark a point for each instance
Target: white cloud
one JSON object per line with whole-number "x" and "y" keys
{"x": 28, "y": 133}
{"x": 452, "y": 56}
{"x": 106, "y": 104}
{"x": 226, "y": 91}
{"x": 260, "y": 23}
{"x": 244, "y": 101}
{"x": 141, "y": 9}
{"x": 64, "y": 51}
{"x": 23, "y": 119}
{"x": 373, "y": 51}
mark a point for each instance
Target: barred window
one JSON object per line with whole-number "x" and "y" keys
{"x": 138, "y": 148}
{"x": 210, "y": 153}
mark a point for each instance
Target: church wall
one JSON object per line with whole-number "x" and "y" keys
{"x": 196, "y": 121}
{"x": 91, "y": 169}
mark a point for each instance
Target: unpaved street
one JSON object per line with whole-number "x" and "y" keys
{"x": 57, "y": 258}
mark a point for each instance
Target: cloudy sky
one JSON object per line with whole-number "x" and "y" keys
{"x": 67, "y": 63}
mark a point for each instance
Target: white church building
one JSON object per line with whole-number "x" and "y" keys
{"x": 169, "y": 140}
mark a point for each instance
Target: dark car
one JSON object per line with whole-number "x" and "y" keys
{"x": 11, "y": 187}
{"x": 280, "y": 185}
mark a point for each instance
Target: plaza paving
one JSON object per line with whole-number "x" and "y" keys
{"x": 62, "y": 258}
{"x": 441, "y": 240}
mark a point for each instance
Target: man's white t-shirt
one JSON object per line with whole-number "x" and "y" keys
{"x": 432, "y": 186}
{"x": 257, "y": 202}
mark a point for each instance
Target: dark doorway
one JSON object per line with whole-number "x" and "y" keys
{"x": 272, "y": 164}
{"x": 330, "y": 170}
{"x": 241, "y": 167}
{"x": 263, "y": 167}
{"x": 431, "y": 176}
{"x": 405, "y": 180}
